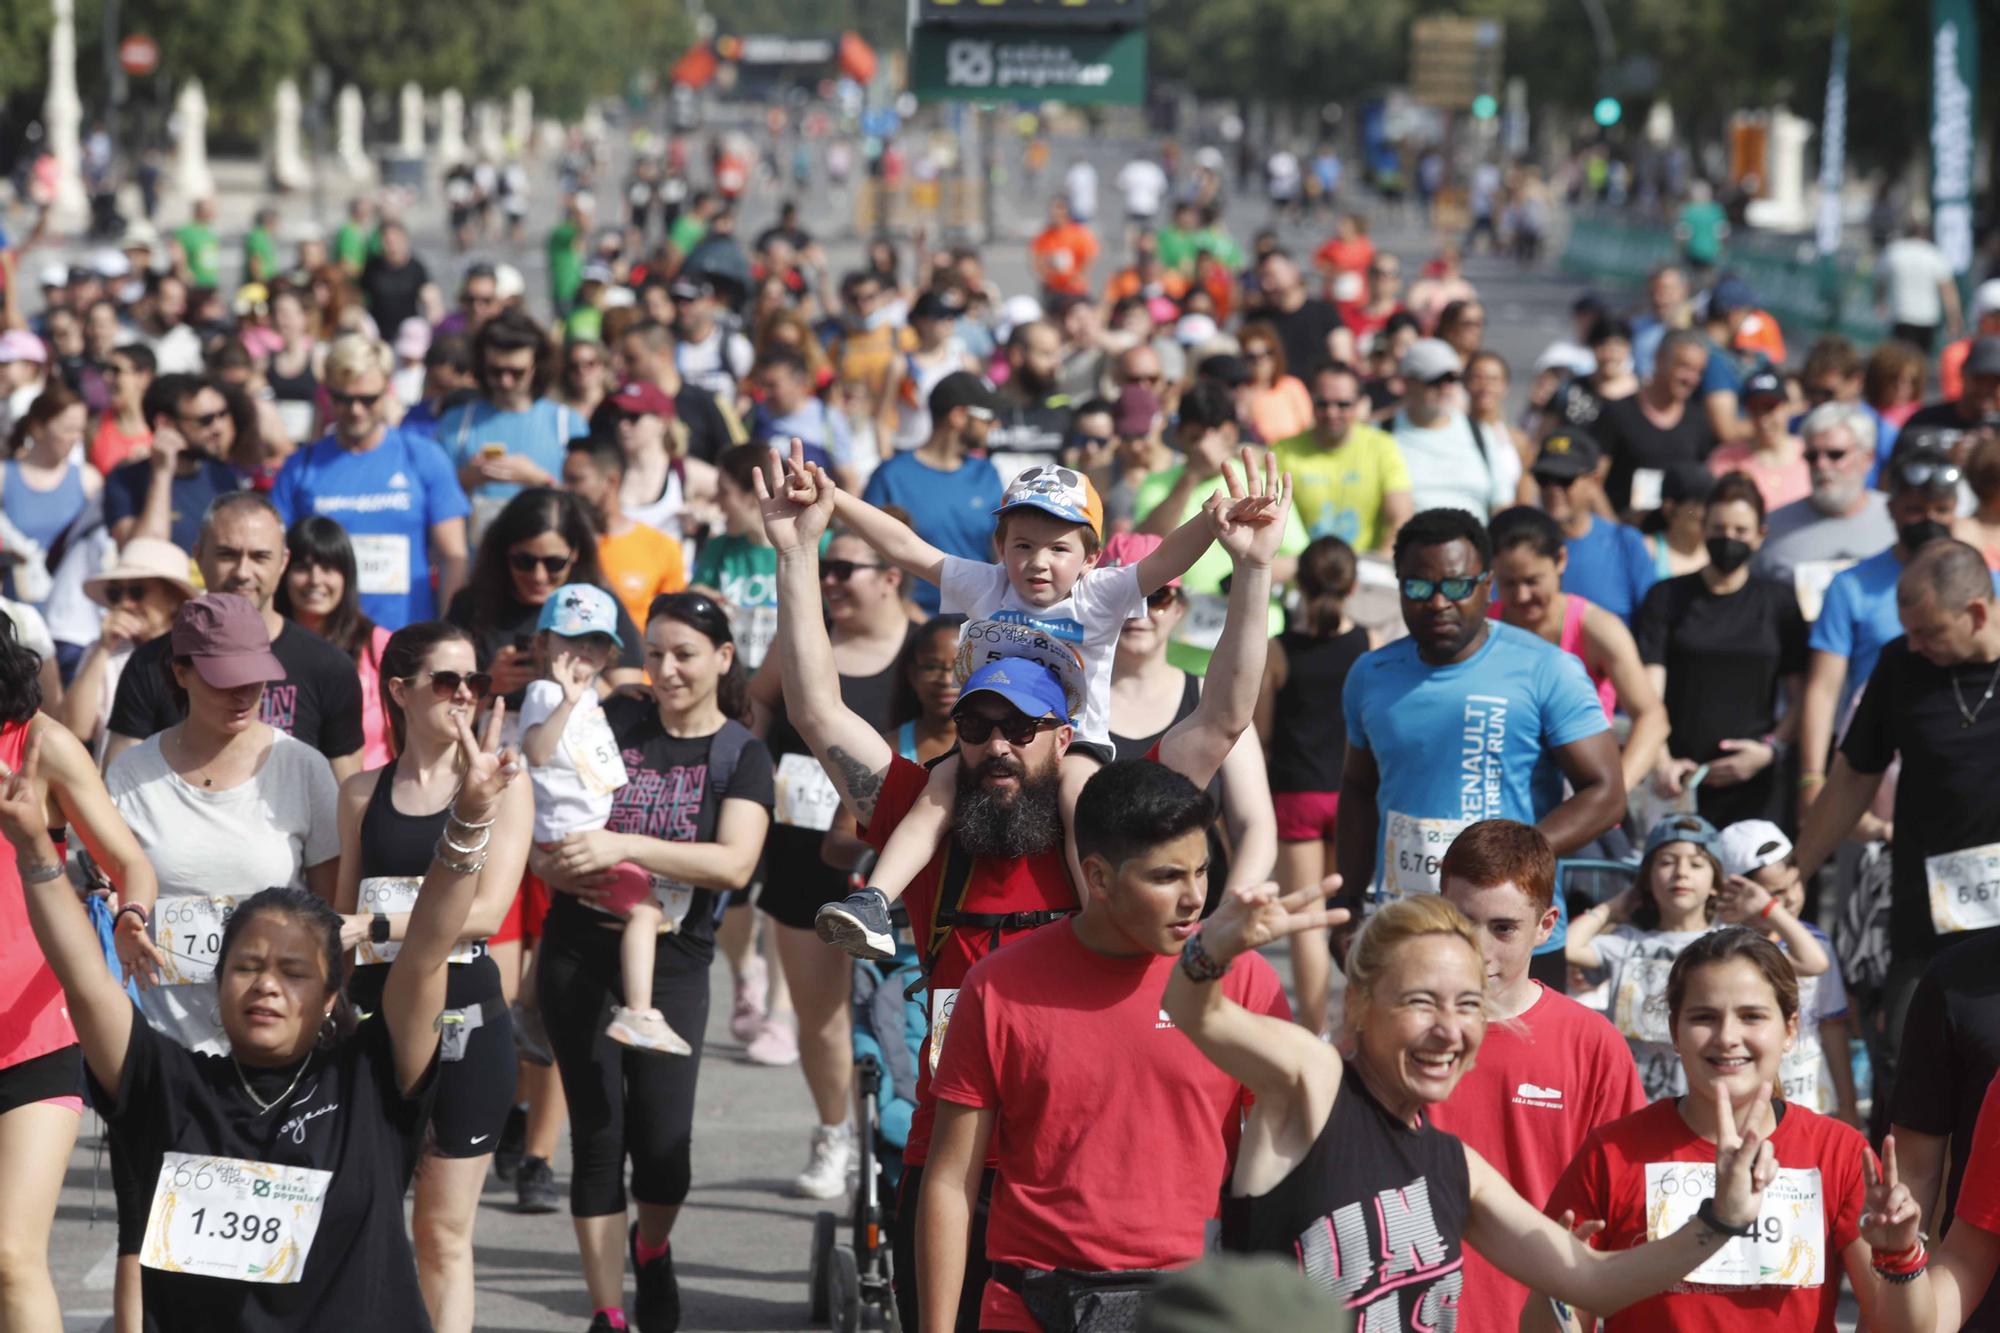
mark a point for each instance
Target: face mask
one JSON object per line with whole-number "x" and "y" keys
{"x": 879, "y": 318}
{"x": 1915, "y": 536}
{"x": 1728, "y": 554}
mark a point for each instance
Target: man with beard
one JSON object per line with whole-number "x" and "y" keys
{"x": 165, "y": 494}
{"x": 1466, "y": 719}
{"x": 1842, "y": 521}
{"x": 1002, "y": 871}
{"x": 1034, "y": 418}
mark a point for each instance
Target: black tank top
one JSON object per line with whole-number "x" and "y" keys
{"x": 302, "y": 387}
{"x": 1308, "y": 750}
{"x": 1368, "y": 1187}
{"x": 1138, "y": 747}
{"x": 400, "y": 845}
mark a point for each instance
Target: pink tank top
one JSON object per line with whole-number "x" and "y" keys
{"x": 1572, "y": 643}
{"x": 37, "y": 1016}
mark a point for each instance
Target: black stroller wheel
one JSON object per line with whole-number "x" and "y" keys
{"x": 844, "y": 1291}
{"x": 818, "y": 1264}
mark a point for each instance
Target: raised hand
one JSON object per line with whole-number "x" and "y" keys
{"x": 571, "y": 672}
{"x": 1253, "y": 916}
{"x": 23, "y": 799}
{"x": 1251, "y": 524}
{"x": 1743, "y": 900}
{"x": 488, "y": 768}
{"x": 1744, "y": 1162}
{"x": 796, "y": 500}
{"x": 1890, "y": 1218}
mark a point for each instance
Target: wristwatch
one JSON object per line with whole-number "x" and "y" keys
{"x": 1706, "y": 1216}
{"x": 378, "y": 929}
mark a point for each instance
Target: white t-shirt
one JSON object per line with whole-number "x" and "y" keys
{"x": 573, "y": 790}
{"x": 1449, "y": 470}
{"x": 1144, "y": 185}
{"x": 1080, "y": 190}
{"x": 261, "y": 834}
{"x": 717, "y": 362}
{"x": 1089, "y": 618}
{"x": 1912, "y": 268}
{"x": 1282, "y": 172}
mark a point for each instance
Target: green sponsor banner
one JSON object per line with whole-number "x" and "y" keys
{"x": 1028, "y": 65}
{"x": 1954, "y": 102}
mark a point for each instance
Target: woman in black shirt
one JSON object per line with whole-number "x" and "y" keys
{"x": 278, "y": 1169}
{"x": 1721, "y": 647}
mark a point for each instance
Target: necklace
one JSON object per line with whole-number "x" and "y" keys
{"x": 1971, "y": 715}
{"x": 206, "y": 779}
{"x": 251, "y": 1093}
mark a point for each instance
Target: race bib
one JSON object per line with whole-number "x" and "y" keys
{"x": 1639, "y": 1005}
{"x": 1809, "y": 582}
{"x": 942, "y": 1003}
{"x": 593, "y": 750}
{"x": 1798, "y": 1074}
{"x": 236, "y": 1220}
{"x": 674, "y": 899}
{"x": 1965, "y": 888}
{"x": 1647, "y": 485}
{"x": 381, "y": 562}
{"x": 806, "y": 798}
{"x": 1412, "y": 851}
{"x": 390, "y": 895}
{"x": 1207, "y": 613}
{"x": 1789, "y": 1249}
{"x": 189, "y": 933}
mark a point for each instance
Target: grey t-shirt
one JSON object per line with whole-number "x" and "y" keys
{"x": 1805, "y": 548}
{"x": 1639, "y": 961}
{"x": 229, "y": 844}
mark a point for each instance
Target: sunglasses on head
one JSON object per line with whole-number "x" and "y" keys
{"x": 444, "y": 684}
{"x": 552, "y": 565}
{"x": 840, "y": 571}
{"x": 133, "y": 593}
{"x": 344, "y": 400}
{"x": 1455, "y": 589}
{"x": 688, "y": 603}
{"x": 1939, "y": 475}
{"x": 977, "y": 728}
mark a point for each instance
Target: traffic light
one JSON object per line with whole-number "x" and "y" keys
{"x": 1485, "y": 107}
{"x": 1607, "y": 111}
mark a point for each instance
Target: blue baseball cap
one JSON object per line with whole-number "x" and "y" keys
{"x": 577, "y": 609}
{"x": 1028, "y": 685}
{"x": 1682, "y": 828}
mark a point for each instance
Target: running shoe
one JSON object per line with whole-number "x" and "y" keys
{"x": 535, "y": 1187}
{"x": 531, "y": 1039}
{"x": 825, "y": 1176}
{"x": 859, "y": 924}
{"x": 658, "y": 1308}
{"x": 513, "y": 1136}
{"x": 775, "y": 1044}
{"x": 753, "y": 991}
{"x": 601, "y": 1324}
{"x": 645, "y": 1030}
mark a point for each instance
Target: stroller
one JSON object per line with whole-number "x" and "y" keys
{"x": 844, "y": 1276}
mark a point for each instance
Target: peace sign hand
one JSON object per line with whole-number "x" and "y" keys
{"x": 1890, "y": 1218}
{"x": 24, "y": 800}
{"x": 1253, "y": 916}
{"x": 796, "y": 500}
{"x": 1744, "y": 1161}
{"x": 488, "y": 768}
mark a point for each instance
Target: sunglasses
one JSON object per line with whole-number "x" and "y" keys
{"x": 131, "y": 594}
{"x": 1144, "y": 379}
{"x": 509, "y": 372}
{"x": 1454, "y": 589}
{"x": 205, "y": 420}
{"x": 1162, "y": 598}
{"x": 688, "y": 603}
{"x": 1448, "y": 378}
{"x": 347, "y": 400}
{"x": 1929, "y": 474}
{"x": 524, "y": 563}
{"x": 977, "y": 728}
{"x": 1093, "y": 441}
{"x": 1335, "y": 404}
{"x": 840, "y": 571}
{"x": 1814, "y": 456}
{"x": 444, "y": 684}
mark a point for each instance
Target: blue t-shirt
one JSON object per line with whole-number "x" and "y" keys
{"x": 953, "y": 511}
{"x": 1609, "y": 566}
{"x": 1461, "y": 743}
{"x": 388, "y": 499}
{"x": 541, "y": 434}
{"x": 125, "y": 495}
{"x": 1858, "y": 616}
{"x": 816, "y": 425}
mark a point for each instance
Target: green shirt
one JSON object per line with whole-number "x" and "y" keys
{"x": 197, "y": 241}
{"x": 1178, "y": 249}
{"x": 687, "y": 232}
{"x": 1704, "y": 220}
{"x": 1194, "y": 641}
{"x": 1222, "y": 245}
{"x": 584, "y": 325}
{"x": 565, "y": 265}
{"x": 259, "y": 248}
{"x": 352, "y": 245}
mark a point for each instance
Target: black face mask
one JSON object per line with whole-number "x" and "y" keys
{"x": 1915, "y": 536}
{"x": 1728, "y": 554}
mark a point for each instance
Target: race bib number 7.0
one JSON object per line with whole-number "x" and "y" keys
{"x": 1789, "y": 1249}
{"x": 1964, "y": 888}
{"x": 228, "y": 1218}
{"x": 189, "y": 933}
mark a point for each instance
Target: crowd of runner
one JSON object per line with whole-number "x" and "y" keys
{"x": 403, "y": 703}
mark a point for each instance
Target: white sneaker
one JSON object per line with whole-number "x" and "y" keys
{"x": 825, "y": 1176}
{"x": 645, "y": 1030}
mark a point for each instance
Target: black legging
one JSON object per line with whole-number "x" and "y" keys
{"x": 621, "y": 1101}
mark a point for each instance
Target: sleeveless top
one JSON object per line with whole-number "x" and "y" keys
{"x": 42, "y": 516}
{"x": 1571, "y": 642}
{"x": 664, "y": 510}
{"x": 1374, "y": 1214}
{"x": 400, "y": 845}
{"x": 1138, "y": 747}
{"x": 1308, "y": 750}
{"x": 37, "y": 1015}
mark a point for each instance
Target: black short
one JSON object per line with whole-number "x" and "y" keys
{"x": 796, "y": 880}
{"x": 59, "y": 1073}
{"x": 475, "y": 1082}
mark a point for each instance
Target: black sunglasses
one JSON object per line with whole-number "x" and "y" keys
{"x": 552, "y": 565}
{"x": 1455, "y": 589}
{"x": 1335, "y": 404}
{"x": 344, "y": 400}
{"x": 129, "y": 593}
{"x": 840, "y": 571}
{"x": 977, "y": 728}
{"x": 1093, "y": 441}
{"x": 1161, "y": 598}
{"x": 444, "y": 684}
{"x": 206, "y": 419}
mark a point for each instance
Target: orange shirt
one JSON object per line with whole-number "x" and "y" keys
{"x": 112, "y": 446}
{"x": 1063, "y": 256}
{"x": 640, "y": 565}
{"x": 1127, "y": 282}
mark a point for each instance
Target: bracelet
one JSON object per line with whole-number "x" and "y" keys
{"x": 136, "y": 909}
{"x": 465, "y": 823}
{"x": 1904, "y": 1265}
{"x": 1767, "y": 908}
{"x": 461, "y": 848}
{"x": 1197, "y": 964}
{"x": 1706, "y": 1216}
{"x": 40, "y": 874}
{"x": 1810, "y": 780}
{"x": 475, "y": 862}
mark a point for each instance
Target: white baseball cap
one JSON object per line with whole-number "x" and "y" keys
{"x": 1986, "y": 299}
{"x": 1749, "y": 845}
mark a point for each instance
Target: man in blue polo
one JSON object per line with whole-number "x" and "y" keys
{"x": 1609, "y": 565}
{"x": 949, "y": 496}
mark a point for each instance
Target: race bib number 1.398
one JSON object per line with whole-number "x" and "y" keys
{"x": 229, "y": 1218}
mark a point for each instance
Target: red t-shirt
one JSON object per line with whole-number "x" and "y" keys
{"x": 1979, "y": 1196}
{"x": 1608, "y": 1181}
{"x": 1541, "y": 1083}
{"x": 1113, "y": 1133}
{"x": 999, "y": 886}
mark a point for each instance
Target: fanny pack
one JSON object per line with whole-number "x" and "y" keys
{"x": 1064, "y": 1300}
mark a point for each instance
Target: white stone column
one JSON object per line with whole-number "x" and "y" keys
{"x": 521, "y": 122}
{"x": 349, "y": 117}
{"x": 487, "y": 139}
{"x": 190, "y": 128}
{"x": 62, "y": 113}
{"x": 410, "y": 126}
{"x": 451, "y": 127}
{"x": 288, "y": 161}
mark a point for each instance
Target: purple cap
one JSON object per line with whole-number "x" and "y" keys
{"x": 227, "y": 639}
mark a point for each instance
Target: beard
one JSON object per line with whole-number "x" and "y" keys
{"x": 1026, "y": 823}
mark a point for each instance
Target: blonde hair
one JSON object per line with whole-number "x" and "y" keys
{"x": 1393, "y": 925}
{"x": 354, "y": 354}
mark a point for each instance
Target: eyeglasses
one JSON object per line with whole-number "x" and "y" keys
{"x": 131, "y": 594}
{"x": 1817, "y": 393}
{"x": 205, "y": 420}
{"x": 499, "y": 372}
{"x": 444, "y": 684}
{"x": 1335, "y": 404}
{"x": 347, "y": 400}
{"x": 1162, "y": 598}
{"x": 1093, "y": 441}
{"x": 524, "y": 563}
{"x": 939, "y": 668}
{"x": 1815, "y": 457}
{"x": 1455, "y": 589}
{"x": 976, "y": 728}
{"x": 840, "y": 571}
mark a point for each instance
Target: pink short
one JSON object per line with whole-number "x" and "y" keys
{"x": 1306, "y": 816}
{"x": 625, "y": 886}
